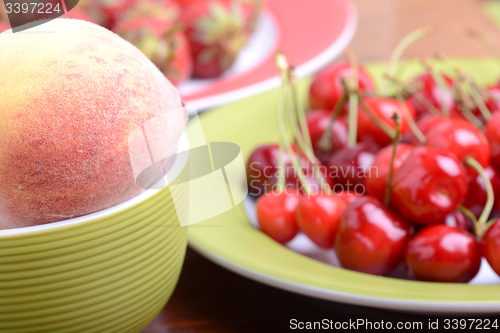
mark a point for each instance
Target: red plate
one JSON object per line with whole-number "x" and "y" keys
{"x": 310, "y": 33}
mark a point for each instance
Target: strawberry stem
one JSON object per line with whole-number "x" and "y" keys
{"x": 481, "y": 226}
{"x": 401, "y": 47}
{"x": 388, "y": 189}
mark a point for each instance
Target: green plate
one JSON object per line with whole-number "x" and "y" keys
{"x": 231, "y": 241}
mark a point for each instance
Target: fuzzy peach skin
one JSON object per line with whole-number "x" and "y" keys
{"x": 71, "y": 94}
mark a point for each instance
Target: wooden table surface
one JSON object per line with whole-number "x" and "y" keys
{"x": 209, "y": 298}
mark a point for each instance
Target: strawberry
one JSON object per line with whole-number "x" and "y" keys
{"x": 217, "y": 31}
{"x": 256, "y": 8}
{"x": 105, "y": 12}
{"x": 151, "y": 27}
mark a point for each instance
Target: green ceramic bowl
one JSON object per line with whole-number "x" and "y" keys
{"x": 110, "y": 271}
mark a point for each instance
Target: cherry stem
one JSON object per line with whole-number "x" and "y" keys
{"x": 416, "y": 94}
{"x": 353, "y": 64}
{"x": 325, "y": 143}
{"x": 443, "y": 87}
{"x": 282, "y": 65}
{"x": 290, "y": 152}
{"x": 471, "y": 118}
{"x": 401, "y": 47}
{"x": 302, "y": 136}
{"x": 288, "y": 78}
{"x": 481, "y": 225}
{"x": 466, "y": 105}
{"x": 298, "y": 108}
{"x": 469, "y": 214}
{"x": 411, "y": 122}
{"x": 353, "y": 120}
{"x": 485, "y": 112}
{"x": 487, "y": 44}
{"x": 388, "y": 189}
{"x": 381, "y": 124}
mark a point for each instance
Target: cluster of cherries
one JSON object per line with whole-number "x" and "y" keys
{"x": 433, "y": 147}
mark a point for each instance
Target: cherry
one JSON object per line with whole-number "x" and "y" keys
{"x": 493, "y": 136}
{"x": 432, "y": 92}
{"x": 457, "y": 219}
{"x": 493, "y": 104}
{"x": 376, "y": 182}
{"x": 429, "y": 185}
{"x": 441, "y": 253}
{"x": 491, "y": 246}
{"x": 326, "y": 88}
{"x": 317, "y": 216}
{"x": 263, "y": 168}
{"x": 383, "y": 109}
{"x": 425, "y": 124}
{"x": 317, "y": 122}
{"x": 349, "y": 196}
{"x": 350, "y": 166}
{"x": 276, "y": 214}
{"x": 370, "y": 238}
{"x": 477, "y": 195}
{"x": 461, "y": 138}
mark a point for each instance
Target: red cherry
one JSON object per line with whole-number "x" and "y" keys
{"x": 455, "y": 219}
{"x": 491, "y": 246}
{"x": 383, "y": 109}
{"x": 318, "y": 215}
{"x": 493, "y": 104}
{"x": 476, "y": 197}
{"x": 461, "y": 138}
{"x": 317, "y": 122}
{"x": 493, "y": 136}
{"x": 458, "y": 220}
{"x": 429, "y": 185}
{"x": 370, "y": 238}
{"x": 441, "y": 253}
{"x": 263, "y": 167}
{"x": 431, "y": 91}
{"x": 349, "y": 196}
{"x": 276, "y": 214}
{"x": 376, "y": 182}
{"x": 350, "y": 166}
{"x": 425, "y": 124}
{"x": 326, "y": 88}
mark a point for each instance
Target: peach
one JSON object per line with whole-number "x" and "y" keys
{"x": 71, "y": 95}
